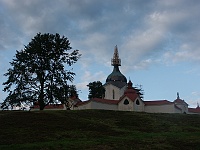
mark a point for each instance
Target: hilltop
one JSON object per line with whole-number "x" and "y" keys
{"x": 98, "y": 129}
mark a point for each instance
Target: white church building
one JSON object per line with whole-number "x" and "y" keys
{"x": 122, "y": 96}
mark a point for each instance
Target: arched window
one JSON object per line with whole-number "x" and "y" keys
{"x": 137, "y": 102}
{"x": 113, "y": 94}
{"x": 126, "y": 102}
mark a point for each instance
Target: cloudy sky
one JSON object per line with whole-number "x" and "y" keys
{"x": 158, "y": 40}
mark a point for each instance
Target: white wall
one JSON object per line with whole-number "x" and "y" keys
{"x": 109, "y": 92}
{"x": 162, "y": 109}
{"x": 84, "y": 106}
{"x": 139, "y": 107}
{"x": 132, "y": 106}
{"x": 98, "y": 105}
{"x": 183, "y": 107}
{"x": 123, "y": 107}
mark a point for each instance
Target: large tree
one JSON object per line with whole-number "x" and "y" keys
{"x": 96, "y": 90}
{"x": 38, "y": 71}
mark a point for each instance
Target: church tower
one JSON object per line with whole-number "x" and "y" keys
{"x": 116, "y": 82}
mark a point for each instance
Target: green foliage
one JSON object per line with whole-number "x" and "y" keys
{"x": 66, "y": 91}
{"x": 98, "y": 129}
{"x": 73, "y": 91}
{"x": 96, "y": 90}
{"x": 38, "y": 71}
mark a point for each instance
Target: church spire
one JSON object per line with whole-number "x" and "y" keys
{"x": 116, "y": 61}
{"x": 116, "y": 76}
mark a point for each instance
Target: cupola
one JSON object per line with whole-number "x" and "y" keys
{"x": 116, "y": 75}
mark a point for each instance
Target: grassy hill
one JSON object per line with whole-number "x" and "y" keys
{"x": 98, "y": 129}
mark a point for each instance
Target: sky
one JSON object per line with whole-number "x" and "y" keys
{"x": 158, "y": 41}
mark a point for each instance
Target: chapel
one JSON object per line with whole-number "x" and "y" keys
{"x": 121, "y": 95}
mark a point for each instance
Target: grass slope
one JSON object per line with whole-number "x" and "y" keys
{"x": 98, "y": 129}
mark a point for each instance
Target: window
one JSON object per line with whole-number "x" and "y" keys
{"x": 137, "y": 102}
{"x": 126, "y": 102}
{"x": 113, "y": 94}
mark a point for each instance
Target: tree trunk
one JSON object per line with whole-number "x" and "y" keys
{"x": 41, "y": 101}
{"x": 41, "y": 96}
{"x": 42, "y": 106}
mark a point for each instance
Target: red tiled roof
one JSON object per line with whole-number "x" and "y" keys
{"x": 82, "y": 103}
{"x": 130, "y": 92}
{"x": 106, "y": 101}
{"x": 180, "y": 101}
{"x": 74, "y": 98}
{"x": 158, "y": 102}
{"x": 194, "y": 110}
{"x": 50, "y": 106}
{"x": 99, "y": 100}
{"x": 132, "y": 97}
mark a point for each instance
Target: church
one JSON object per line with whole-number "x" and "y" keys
{"x": 121, "y": 95}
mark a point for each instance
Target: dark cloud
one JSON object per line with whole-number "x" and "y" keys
{"x": 147, "y": 32}
{"x": 141, "y": 28}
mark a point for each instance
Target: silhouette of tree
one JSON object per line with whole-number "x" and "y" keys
{"x": 96, "y": 90}
{"x": 63, "y": 93}
{"x": 38, "y": 71}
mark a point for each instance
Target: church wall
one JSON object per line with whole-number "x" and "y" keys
{"x": 85, "y": 106}
{"x": 122, "y": 91}
{"x": 176, "y": 110}
{"x": 132, "y": 106}
{"x": 183, "y": 107}
{"x": 117, "y": 92}
{"x": 161, "y": 109}
{"x": 123, "y": 106}
{"x": 138, "y": 106}
{"x": 97, "y": 105}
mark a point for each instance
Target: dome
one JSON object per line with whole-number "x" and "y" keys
{"x": 116, "y": 75}
{"x": 116, "y": 78}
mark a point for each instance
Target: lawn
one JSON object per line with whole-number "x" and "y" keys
{"x": 98, "y": 129}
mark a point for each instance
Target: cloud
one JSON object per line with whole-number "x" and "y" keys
{"x": 90, "y": 77}
{"x": 140, "y": 28}
{"x": 169, "y": 31}
{"x": 86, "y": 78}
{"x": 147, "y": 32}
{"x": 194, "y": 100}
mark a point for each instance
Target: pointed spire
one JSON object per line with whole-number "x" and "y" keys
{"x": 116, "y": 61}
{"x": 116, "y": 55}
